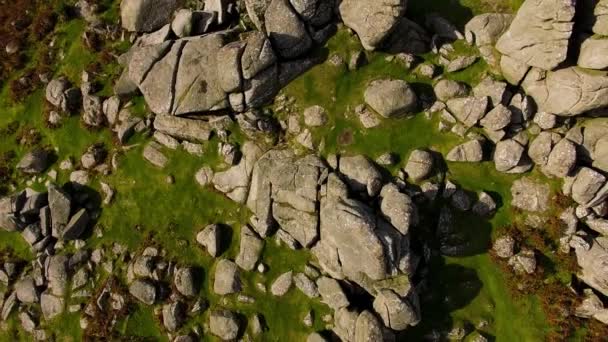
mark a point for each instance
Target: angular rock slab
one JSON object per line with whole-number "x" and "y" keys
{"x": 372, "y": 20}
{"x": 567, "y": 92}
{"x": 540, "y": 33}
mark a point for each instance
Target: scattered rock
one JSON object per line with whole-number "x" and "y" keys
{"x": 391, "y": 98}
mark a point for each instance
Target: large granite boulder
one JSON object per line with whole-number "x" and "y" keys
{"x": 284, "y": 191}
{"x": 601, "y": 18}
{"x": 287, "y": 32}
{"x": 372, "y": 20}
{"x": 594, "y": 53}
{"x": 485, "y": 29}
{"x": 146, "y": 15}
{"x": 391, "y": 98}
{"x": 593, "y": 264}
{"x": 398, "y": 208}
{"x": 396, "y": 312}
{"x": 361, "y": 174}
{"x": 348, "y": 230}
{"x": 539, "y": 34}
{"x": 224, "y": 324}
{"x": 567, "y": 92}
{"x": 182, "y": 128}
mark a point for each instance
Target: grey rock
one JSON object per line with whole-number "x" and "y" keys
{"x": 211, "y": 238}
{"x": 523, "y": 262}
{"x": 562, "y": 159}
{"x": 391, "y": 98}
{"x": 545, "y": 120}
{"x": 592, "y": 262}
{"x": 539, "y": 40}
{"x": 468, "y": 110}
{"x": 182, "y": 23}
{"x": 51, "y": 306}
{"x": 529, "y": 195}
{"x": 227, "y": 278}
{"x": 460, "y": 63}
{"x": 485, "y": 205}
{"x": 144, "y": 291}
{"x": 250, "y": 249}
{"x": 282, "y": 284}
{"x": 76, "y": 226}
{"x": 540, "y": 148}
{"x": 92, "y": 111}
{"x": 398, "y": 208}
{"x": 368, "y": 328}
{"x": 197, "y": 88}
{"x": 332, "y": 293}
{"x": 307, "y": 286}
{"x": 567, "y": 92}
{"x": 504, "y": 246}
{"x": 26, "y": 291}
{"x": 601, "y": 18}
{"x": 497, "y": 119}
{"x": 419, "y": 165}
{"x": 153, "y": 155}
{"x": 471, "y": 151}
{"x": 373, "y": 21}
{"x": 361, "y": 174}
{"x": 509, "y": 156}
{"x": 495, "y": 90}
{"x": 234, "y": 182}
{"x": 59, "y": 204}
{"x": 593, "y": 53}
{"x": 485, "y": 29}
{"x": 447, "y": 89}
{"x": 57, "y": 274}
{"x": 229, "y": 66}
{"x": 587, "y": 184}
{"x": 315, "y": 116}
{"x": 345, "y": 321}
{"x": 285, "y": 29}
{"x": 34, "y": 162}
{"x": 185, "y": 282}
{"x": 182, "y": 128}
{"x": 396, "y": 313}
{"x": 146, "y": 15}
{"x": 110, "y": 107}
{"x": 173, "y": 315}
{"x": 257, "y": 56}
{"x": 224, "y": 324}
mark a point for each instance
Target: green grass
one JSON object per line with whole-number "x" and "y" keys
{"x": 149, "y": 211}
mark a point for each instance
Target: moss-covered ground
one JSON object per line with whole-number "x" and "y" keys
{"x": 147, "y": 210}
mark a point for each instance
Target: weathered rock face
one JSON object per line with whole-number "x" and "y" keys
{"x": 347, "y": 228}
{"x": 227, "y": 279}
{"x": 485, "y": 29}
{"x": 601, "y": 18}
{"x": 224, "y": 324}
{"x": 284, "y": 190}
{"x": 361, "y": 174}
{"x": 286, "y": 31}
{"x": 447, "y": 89}
{"x": 468, "y": 110}
{"x": 593, "y": 54}
{"x": 594, "y": 264}
{"x": 391, "y": 98}
{"x": 182, "y": 128}
{"x": 146, "y": 15}
{"x": 396, "y": 312}
{"x": 567, "y": 92}
{"x": 398, "y": 208}
{"x": 540, "y": 33}
{"x": 471, "y": 151}
{"x": 373, "y": 21}
{"x": 250, "y": 249}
